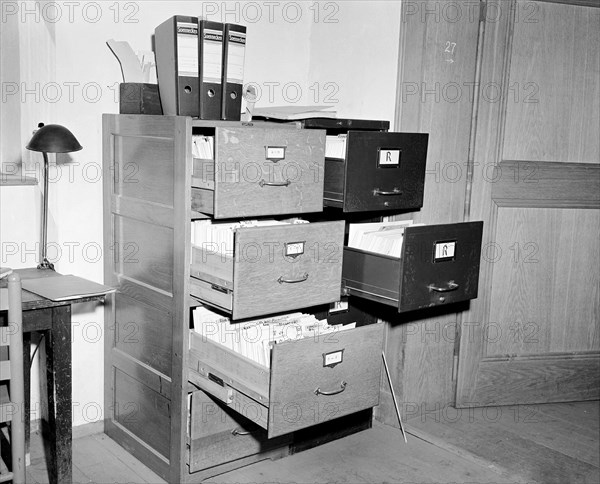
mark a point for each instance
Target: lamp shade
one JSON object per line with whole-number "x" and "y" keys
{"x": 53, "y": 138}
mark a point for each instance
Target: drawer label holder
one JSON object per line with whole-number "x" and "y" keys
{"x": 294, "y": 249}
{"x": 333, "y": 358}
{"x": 388, "y": 158}
{"x": 444, "y": 250}
{"x": 275, "y": 153}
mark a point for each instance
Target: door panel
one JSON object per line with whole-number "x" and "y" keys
{"x": 542, "y": 286}
{"x": 532, "y": 335}
{"x": 553, "y": 113}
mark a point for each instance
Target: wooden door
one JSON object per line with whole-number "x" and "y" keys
{"x": 533, "y": 333}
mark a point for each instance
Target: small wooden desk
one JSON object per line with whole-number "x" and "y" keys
{"x": 53, "y": 320}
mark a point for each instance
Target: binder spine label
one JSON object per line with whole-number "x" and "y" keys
{"x": 187, "y": 49}
{"x": 212, "y": 56}
{"x": 235, "y": 58}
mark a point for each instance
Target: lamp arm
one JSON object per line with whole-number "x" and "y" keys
{"x": 44, "y": 264}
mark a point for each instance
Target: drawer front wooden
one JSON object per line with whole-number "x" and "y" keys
{"x": 440, "y": 264}
{"x": 262, "y": 171}
{"x": 384, "y": 171}
{"x": 286, "y": 267}
{"x": 218, "y": 434}
{"x": 318, "y": 379}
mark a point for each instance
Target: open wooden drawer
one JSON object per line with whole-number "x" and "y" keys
{"x": 311, "y": 380}
{"x": 273, "y": 269}
{"x": 260, "y": 171}
{"x": 439, "y": 265}
{"x": 218, "y": 434}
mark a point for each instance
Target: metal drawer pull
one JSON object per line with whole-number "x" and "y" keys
{"x": 282, "y": 279}
{"x": 451, "y": 286}
{"x": 243, "y": 432}
{"x": 264, "y": 183}
{"x": 395, "y": 191}
{"x": 343, "y": 384}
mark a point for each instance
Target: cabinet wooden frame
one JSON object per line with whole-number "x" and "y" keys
{"x": 147, "y": 188}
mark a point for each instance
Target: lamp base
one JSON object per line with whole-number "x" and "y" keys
{"x": 46, "y": 264}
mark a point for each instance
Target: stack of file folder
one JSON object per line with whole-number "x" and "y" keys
{"x": 218, "y": 237}
{"x": 200, "y": 66}
{"x": 380, "y": 237}
{"x": 254, "y": 339}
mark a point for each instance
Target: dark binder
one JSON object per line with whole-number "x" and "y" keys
{"x": 176, "y": 49}
{"x": 234, "y": 50}
{"x": 210, "y": 64}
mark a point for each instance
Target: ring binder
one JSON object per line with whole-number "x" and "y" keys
{"x": 234, "y": 50}
{"x": 210, "y": 65}
{"x": 176, "y": 48}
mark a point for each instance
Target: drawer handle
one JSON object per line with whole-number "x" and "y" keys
{"x": 451, "y": 286}
{"x": 264, "y": 183}
{"x": 343, "y": 385}
{"x": 395, "y": 191}
{"x": 243, "y": 432}
{"x": 282, "y": 279}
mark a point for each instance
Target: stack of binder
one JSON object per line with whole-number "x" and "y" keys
{"x": 200, "y": 66}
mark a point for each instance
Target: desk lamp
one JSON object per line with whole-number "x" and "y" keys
{"x": 52, "y": 138}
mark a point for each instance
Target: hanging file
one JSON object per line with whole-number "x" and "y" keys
{"x": 210, "y": 63}
{"x": 176, "y": 49}
{"x": 234, "y": 50}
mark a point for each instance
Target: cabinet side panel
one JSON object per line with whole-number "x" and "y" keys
{"x": 140, "y": 333}
{"x": 143, "y": 412}
{"x": 142, "y": 384}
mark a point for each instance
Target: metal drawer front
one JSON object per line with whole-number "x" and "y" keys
{"x": 440, "y": 264}
{"x": 384, "y": 171}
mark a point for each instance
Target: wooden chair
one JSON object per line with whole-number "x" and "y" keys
{"x": 12, "y": 401}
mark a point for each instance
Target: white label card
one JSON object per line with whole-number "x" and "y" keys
{"x": 389, "y": 157}
{"x": 293, "y": 249}
{"x": 445, "y": 250}
{"x": 275, "y": 152}
{"x": 332, "y": 359}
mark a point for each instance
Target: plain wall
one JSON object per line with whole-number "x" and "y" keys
{"x": 342, "y": 54}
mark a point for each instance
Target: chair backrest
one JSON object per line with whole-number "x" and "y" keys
{"x": 12, "y": 404}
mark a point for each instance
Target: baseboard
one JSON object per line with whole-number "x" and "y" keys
{"x": 79, "y": 431}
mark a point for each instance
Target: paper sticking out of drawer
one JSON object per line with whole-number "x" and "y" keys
{"x": 438, "y": 265}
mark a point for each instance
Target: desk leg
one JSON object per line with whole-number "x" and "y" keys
{"x": 27, "y": 395}
{"x": 58, "y": 381}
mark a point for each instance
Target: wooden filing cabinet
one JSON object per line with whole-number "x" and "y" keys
{"x": 190, "y": 408}
{"x": 161, "y": 378}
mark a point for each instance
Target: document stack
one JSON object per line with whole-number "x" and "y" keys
{"x": 335, "y": 146}
{"x": 203, "y": 146}
{"x": 381, "y": 237}
{"x": 254, "y": 339}
{"x": 219, "y": 236}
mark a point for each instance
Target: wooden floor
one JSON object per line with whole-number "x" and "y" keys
{"x": 552, "y": 443}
